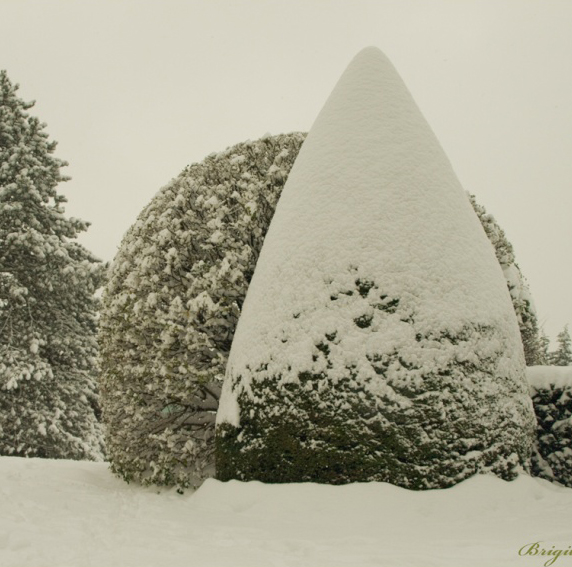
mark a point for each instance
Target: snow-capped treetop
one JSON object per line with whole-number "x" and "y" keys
{"x": 562, "y": 356}
{"x": 371, "y": 189}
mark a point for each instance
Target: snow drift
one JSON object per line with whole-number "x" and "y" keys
{"x": 70, "y": 514}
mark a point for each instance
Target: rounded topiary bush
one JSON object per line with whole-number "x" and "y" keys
{"x": 170, "y": 308}
{"x": 517, "y": 286}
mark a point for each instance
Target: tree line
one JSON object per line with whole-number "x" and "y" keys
{"x": 161, "y": 376}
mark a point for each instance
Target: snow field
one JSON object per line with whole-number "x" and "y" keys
{"x": 71, "y": 513}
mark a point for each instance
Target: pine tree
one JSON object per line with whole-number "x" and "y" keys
{"x": 377, "y": 340}
{"x": 544, "y": 346}
{"x": 48, "y": 349}
{"x": 562, "y": 356}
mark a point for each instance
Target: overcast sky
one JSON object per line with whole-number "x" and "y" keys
{"x": 134, "y": 91}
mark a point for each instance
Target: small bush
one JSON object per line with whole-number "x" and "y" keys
{"x": 551, "y": 391}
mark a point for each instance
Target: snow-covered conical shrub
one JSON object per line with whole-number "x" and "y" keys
{"x": 170, "y": 308}
{"x": 377, "y": 340}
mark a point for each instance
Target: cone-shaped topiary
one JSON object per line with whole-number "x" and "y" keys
{"x": 377, "y": 340}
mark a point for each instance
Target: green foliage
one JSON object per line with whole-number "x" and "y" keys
{"x": 552, "y": 458}
{"x": 48, "y": 350}
{"x": 172, "y": 304}
{"x": 544, "y": 345}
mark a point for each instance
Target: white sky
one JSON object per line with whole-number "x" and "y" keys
{"x": 134, "y": 91}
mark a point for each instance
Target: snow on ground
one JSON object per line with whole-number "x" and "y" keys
{"x": 66, "y": 513}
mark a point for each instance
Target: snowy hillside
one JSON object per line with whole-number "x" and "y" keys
{"x": 66, "y": 513}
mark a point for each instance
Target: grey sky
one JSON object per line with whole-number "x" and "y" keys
{"x": 134, "y": 91}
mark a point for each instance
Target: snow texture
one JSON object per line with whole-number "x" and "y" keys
{"x": 154, "y": 280}
{"x": 372, "y": 203}
{"x": 66, "y": 514}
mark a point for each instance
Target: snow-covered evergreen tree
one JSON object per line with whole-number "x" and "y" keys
{"x": 562, "y": 356}
{"x": 544, "y": 348}
{"x": 171, "y": 306}
{"x": 48, "y": 349}
{"x": 377, "y": 340}
{"x": 517, "y": 286}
